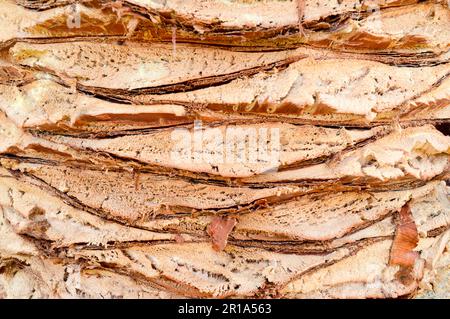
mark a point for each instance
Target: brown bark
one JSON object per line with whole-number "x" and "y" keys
{"x": 133, "y": 136}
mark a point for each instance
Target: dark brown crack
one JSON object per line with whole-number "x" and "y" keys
{"x": 125, "y": 164}
{"x": 163, "y": 281}
{"x": 172, "y": 211}
{"x": 155, "y": 168}
{"x": 444, "y": 128}
{"x": 288, "y": 245}
{"x": 190, "y": 85}
{"x": 126, "y": 95}
{"x": 324, "y": 159}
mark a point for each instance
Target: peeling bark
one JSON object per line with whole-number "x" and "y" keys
{"x": 184, "y": 149}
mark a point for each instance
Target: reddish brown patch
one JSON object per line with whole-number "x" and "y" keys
{"x": 130, "y": 118}
{"x": 405, "y": 240}
{"x": 12, "y": 75}
{"x": 219, "y": 229}
{"x": 365, "y": 40}
{"x": 321, "y": 109}
{"x": 136, "y": 179}
{"x": 412, "y": 41}
{"x": 179, "y": 239}
{"x": 45, "y": 150}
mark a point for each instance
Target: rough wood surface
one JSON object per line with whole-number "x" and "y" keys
{"x": 122, "y": 130}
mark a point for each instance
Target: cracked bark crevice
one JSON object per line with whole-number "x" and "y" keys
{"x": 94, "y": 204}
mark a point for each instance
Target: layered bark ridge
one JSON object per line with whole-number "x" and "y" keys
{"x": 171, "y": 149}
{"x": 384, "y": 26}
{"x": 193, "y": 268}
{"x": 86, "y": 79}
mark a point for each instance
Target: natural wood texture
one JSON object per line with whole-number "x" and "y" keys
{"x": 350, "y": 99}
